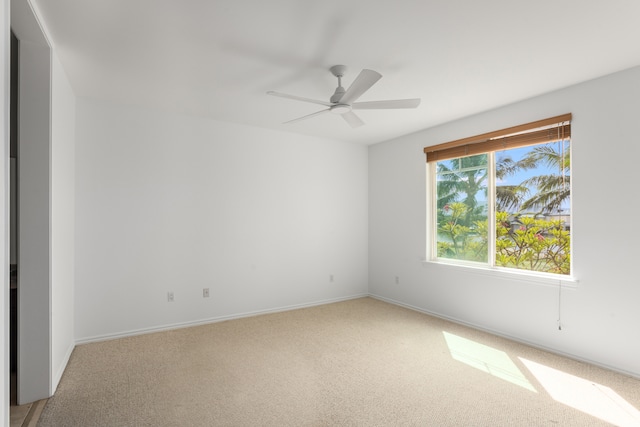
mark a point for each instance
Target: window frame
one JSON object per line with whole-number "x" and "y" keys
{"x": 490, "y": 266}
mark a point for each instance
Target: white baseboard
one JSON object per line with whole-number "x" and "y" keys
{"x": 206, "y": 321}
{"x": 509, "y": 337}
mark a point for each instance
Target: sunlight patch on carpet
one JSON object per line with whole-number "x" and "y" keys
{"x": 584, "y": 395}
{"x": 487, "y": 359}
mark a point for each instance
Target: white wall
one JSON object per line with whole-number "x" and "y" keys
{"x": 599, "y": 314}
{"x": 62, "y": 220}
{"x": 176, "y": 203}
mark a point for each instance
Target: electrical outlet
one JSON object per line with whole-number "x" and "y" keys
{"x": 170, "y": 296}
{"x": 331, "y": 277}
{"x": 205, "y": 293}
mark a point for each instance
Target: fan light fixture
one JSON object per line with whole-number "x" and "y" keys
{"x": 340, "y": 108}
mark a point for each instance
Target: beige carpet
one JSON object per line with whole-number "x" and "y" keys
{"x": 355, "y": 363}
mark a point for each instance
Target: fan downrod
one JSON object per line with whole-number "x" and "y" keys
{"x": 338, "y": 71}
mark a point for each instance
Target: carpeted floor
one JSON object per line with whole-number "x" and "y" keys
{"x": 361, "y": 362}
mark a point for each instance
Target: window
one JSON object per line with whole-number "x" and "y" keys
{"x": 503, "y": 199}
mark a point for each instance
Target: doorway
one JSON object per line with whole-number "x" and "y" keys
{"x": 13, "y": 221}
{"x": 30, "y": 123}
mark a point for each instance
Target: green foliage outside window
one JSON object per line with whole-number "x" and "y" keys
{"x": 523, "y": 243}
{"x": 459, "y": 239}
{"x": 532, "y": 244}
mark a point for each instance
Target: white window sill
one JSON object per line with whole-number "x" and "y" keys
{"x": 510, "y": 274}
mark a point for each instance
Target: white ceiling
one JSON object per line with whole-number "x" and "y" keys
{"x": 218, "y": 58}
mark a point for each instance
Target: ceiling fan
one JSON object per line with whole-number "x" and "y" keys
{"x": 343, "y": 101}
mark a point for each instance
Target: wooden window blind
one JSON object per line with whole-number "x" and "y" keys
{"x": 539, "y": 132}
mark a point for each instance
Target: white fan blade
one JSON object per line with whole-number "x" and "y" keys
{"x": 390, "y": 104}
{"x": 353, "y": 120}
{"x": 299, "y": 98}
{"x": 360, "y": 85}
{"x": 317, "y": 113}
